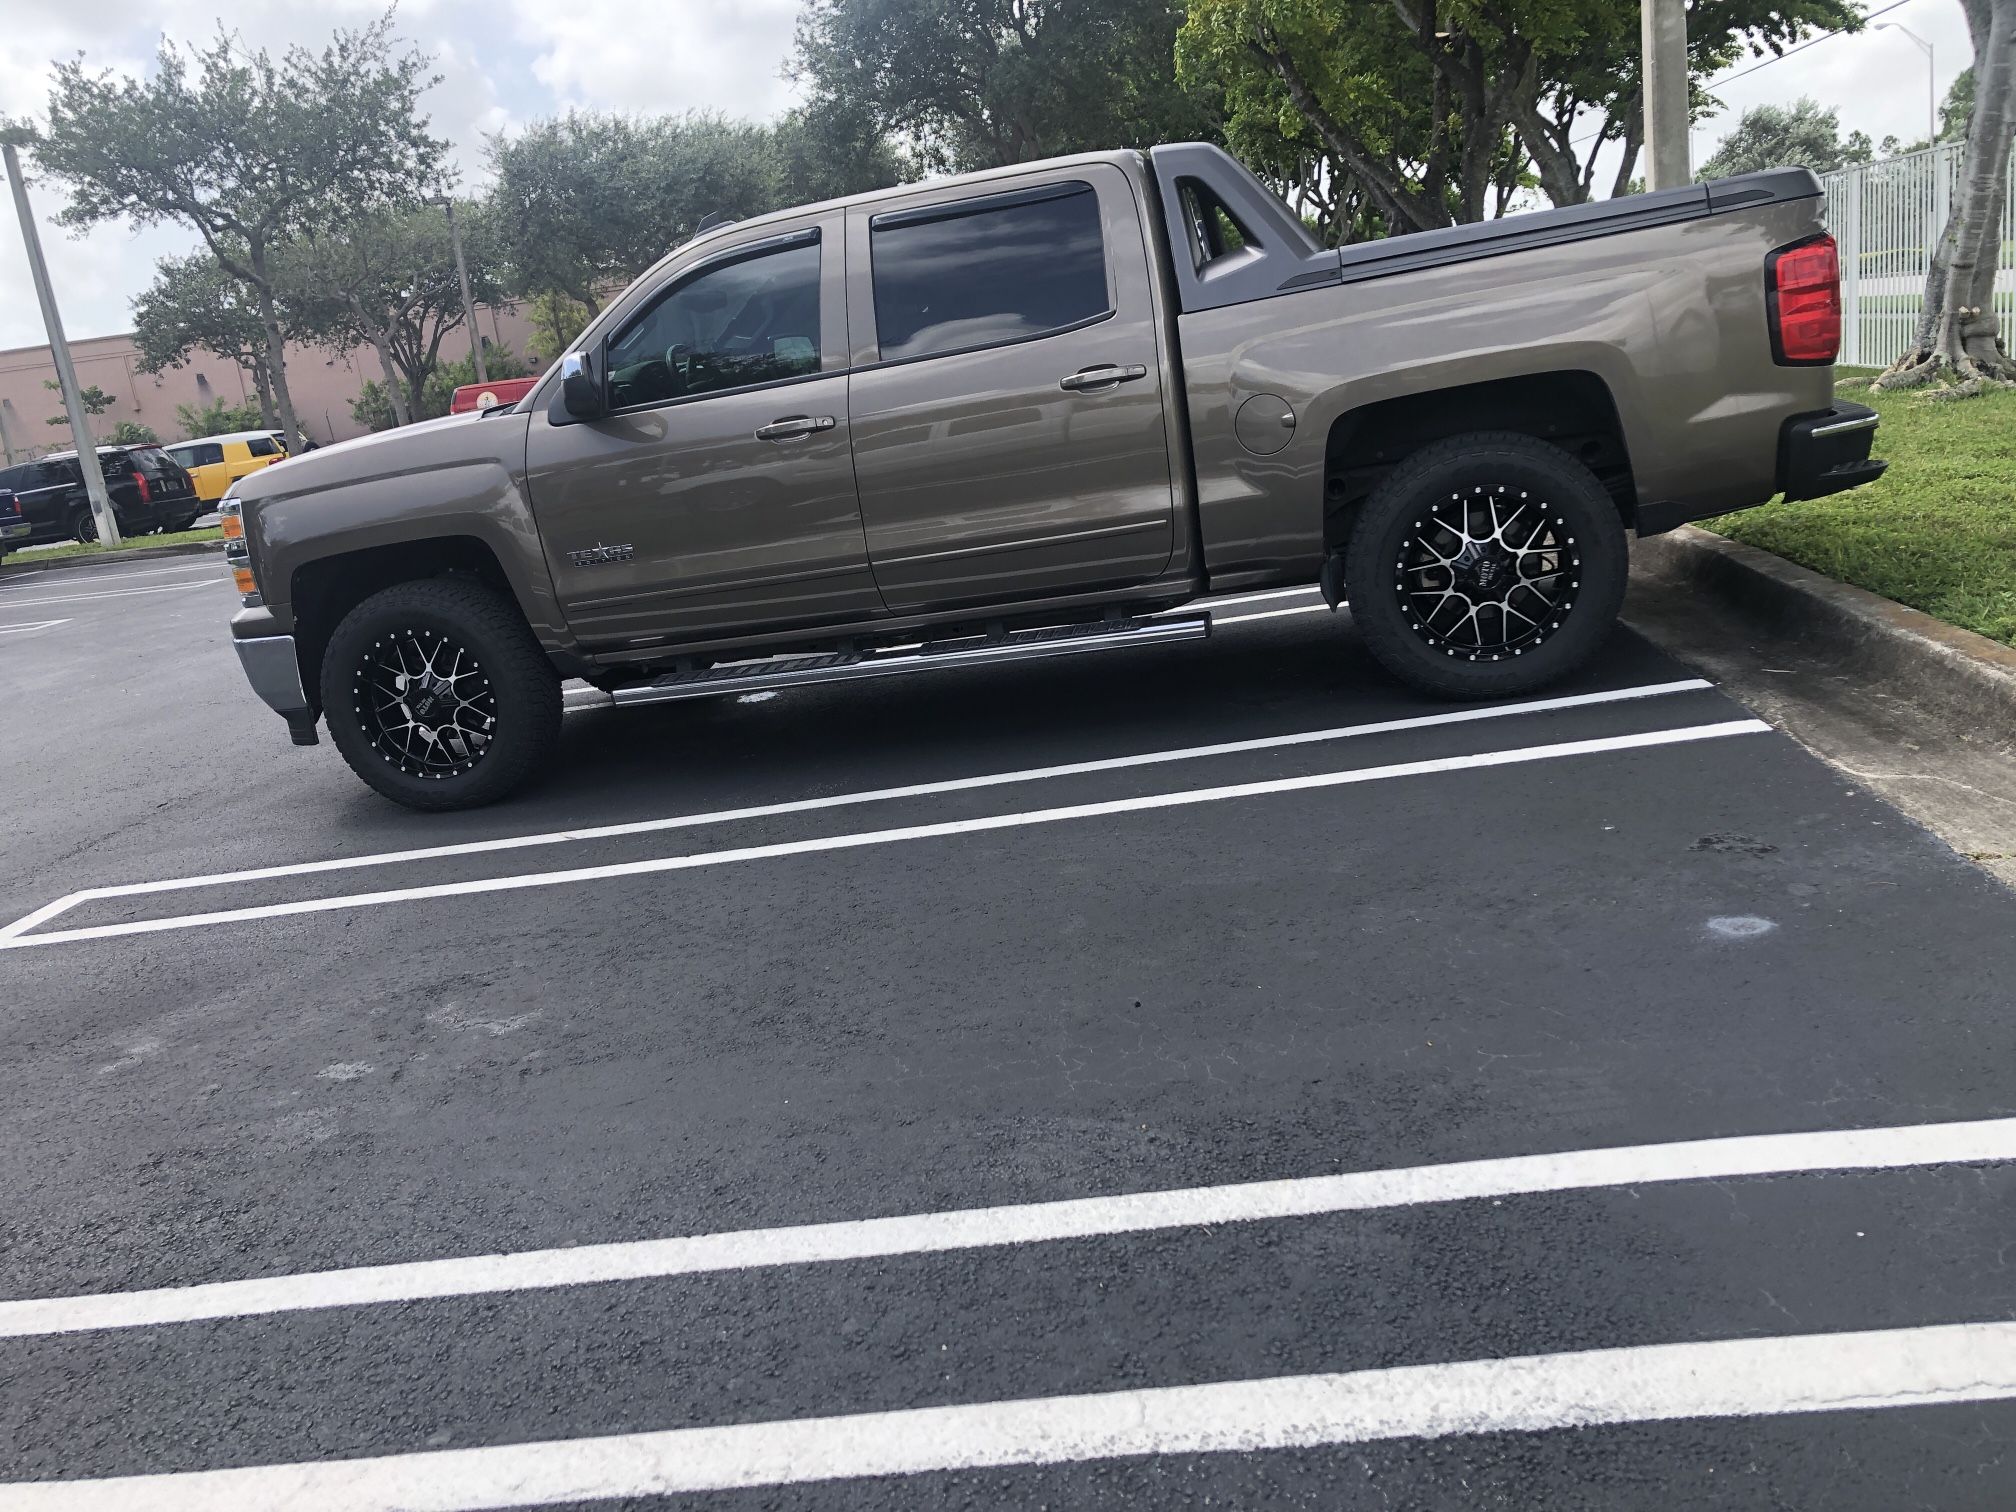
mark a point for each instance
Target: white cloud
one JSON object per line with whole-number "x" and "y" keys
{"x": 723, "y": 55}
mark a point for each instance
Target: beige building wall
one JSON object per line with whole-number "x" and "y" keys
{"x": 323, "y": 384}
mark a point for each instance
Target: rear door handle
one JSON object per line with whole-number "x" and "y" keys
{"x": 791, "y": 427}
{"x": 1105, "y": 375}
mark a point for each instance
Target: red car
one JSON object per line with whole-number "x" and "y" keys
{"x": 481, "y": 396}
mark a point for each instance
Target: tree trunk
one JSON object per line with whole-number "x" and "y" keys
{"x": 276, "y": 343}
{"x": 262, "y": 385}
{"x": 1959, "y": 338}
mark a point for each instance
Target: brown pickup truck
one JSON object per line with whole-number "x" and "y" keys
{"x": 1026, "y": 413}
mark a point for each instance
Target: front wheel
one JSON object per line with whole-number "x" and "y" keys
{"x": 1486, "y": 565}
{"x": 438, "y": 696}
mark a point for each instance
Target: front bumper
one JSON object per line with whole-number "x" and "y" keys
{"x": 275, "y": 674}
{"x": 1827, "y": 452}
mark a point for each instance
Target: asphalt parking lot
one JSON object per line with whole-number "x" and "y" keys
{"x": 691, "y": 1067}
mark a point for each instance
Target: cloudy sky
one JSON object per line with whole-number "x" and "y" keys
{"x": 506, "y": 62}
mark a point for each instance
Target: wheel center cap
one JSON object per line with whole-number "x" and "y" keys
{"x": 430, "y": 701}
{"x": 1483, "y": 565}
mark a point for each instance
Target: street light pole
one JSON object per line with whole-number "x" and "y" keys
{"x": 1662, "y": 35}
{"x": 1931, "y": 78}
{"x": 468, "y": 304}
{"x": 59, "y": 349}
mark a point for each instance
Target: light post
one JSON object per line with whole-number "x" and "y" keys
{"x": 59, "y": 350}
{"x": 1931, "y": 78}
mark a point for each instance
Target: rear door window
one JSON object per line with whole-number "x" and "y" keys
{"x": 259, "y": 446}
{"x": 976, "y": 273}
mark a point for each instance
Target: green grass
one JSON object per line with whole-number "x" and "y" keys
{"x": 1937, "y": 532}
{"x": 131, "y": 543}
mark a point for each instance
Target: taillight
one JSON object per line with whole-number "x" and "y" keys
{"x": 140, "y": 480}
{"x": 1803, "y": 289}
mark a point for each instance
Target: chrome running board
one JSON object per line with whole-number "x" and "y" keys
{"x": 933, "y": 656}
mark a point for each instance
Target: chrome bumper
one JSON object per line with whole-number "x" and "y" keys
{"x": 275, "y": 674}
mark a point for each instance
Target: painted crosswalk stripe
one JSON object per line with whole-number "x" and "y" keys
{"x": 1795, "y": 1374}
{"x": 1909, "y": 1145}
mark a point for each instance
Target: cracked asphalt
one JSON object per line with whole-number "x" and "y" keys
{"x": 1627, "y": 947}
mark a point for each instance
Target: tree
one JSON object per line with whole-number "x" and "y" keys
{"x": 389, "y": 280}
{"x": 245, "y": 149}
{"x": 978, "y": 83}
{"x": 372, "y": 408}
{"x": 1800, "y": 135}
{"x": 1416, "y": 99}
{"x": 92, "y": 399}
{"x": 218, "y": 418}
{"x": 557, "y": 320}
{"x": 194, "y": 304}
{"x": 585, "y": 202}
{"x": 1959, "y": 339}
{"x": 132, "y": 433}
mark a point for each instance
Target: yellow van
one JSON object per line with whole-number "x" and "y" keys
{"x": 216, "y": 462}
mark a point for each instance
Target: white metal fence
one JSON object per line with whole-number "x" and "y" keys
{"x": 1887, "y": 216}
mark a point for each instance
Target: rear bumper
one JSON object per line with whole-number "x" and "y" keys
{"x": 1827, "y": 452}
{"x": 275, "y": 674}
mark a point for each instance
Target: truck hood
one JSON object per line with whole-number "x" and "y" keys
{"x": 426, "y": 446}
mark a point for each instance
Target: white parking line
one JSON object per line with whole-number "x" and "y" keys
{"x": 67, "y": 578}
{"x": 32, "y": 625}
{"x": 1985, "y": 1140}
{"x": 840, "y": 800}
{"x": 78, "y": 598}
{"x": 15, "y": 937}
{"x": 1646, "y": 1383}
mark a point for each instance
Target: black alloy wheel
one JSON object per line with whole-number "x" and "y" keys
{"x": 439, "y": 696}
{"x": 1486, "y": 565}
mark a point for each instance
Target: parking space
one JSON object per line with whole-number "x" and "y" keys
{"x": 1201, "y": 1075}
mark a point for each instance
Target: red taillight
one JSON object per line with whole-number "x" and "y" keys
{"x": 146, "y": 493}
{"x": 1804, "y": 284}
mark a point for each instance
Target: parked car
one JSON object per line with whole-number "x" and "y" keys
{"x": 14, "y": 526}
{"x": 216, "y": 462}
{"x": 149, "y": 491}
{"x": 481, "y": 396}
{"x": 1029, "y": 413}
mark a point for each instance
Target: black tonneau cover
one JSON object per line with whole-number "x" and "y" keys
{"x": 1286, "y": 259}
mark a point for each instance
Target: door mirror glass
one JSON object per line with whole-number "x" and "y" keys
{"x": 580, "y": 392}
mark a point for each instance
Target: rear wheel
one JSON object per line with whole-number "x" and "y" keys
{"x": 438, "y": 696}
{"x": 175, "y": 526}
{"x": 83, "y": 527}
{"x": 1486, "y": 565}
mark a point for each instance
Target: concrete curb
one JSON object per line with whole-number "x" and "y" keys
{"x": 19, "y": 568}
{"x": 1965, "y": 678}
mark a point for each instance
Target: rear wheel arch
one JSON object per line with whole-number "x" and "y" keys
{"x": 1572, "y": 409}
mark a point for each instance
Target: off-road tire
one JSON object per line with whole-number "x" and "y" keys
{"x": 1510, "y": 467}
{"x": 515, "y": 673}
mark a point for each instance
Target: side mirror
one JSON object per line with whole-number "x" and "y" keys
{"x": 581, "y": 388}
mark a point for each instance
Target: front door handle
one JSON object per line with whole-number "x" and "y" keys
{"x": 1105, "y": 375}
{"x": 791, "y": 427}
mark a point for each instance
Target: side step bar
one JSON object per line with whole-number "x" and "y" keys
{"x": 972, "y": 651}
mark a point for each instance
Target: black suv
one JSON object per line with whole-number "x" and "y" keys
{"x": 149, "y": 489}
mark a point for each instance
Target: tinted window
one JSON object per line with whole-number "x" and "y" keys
{"x": 115, "y": 464}
{"x": 259, "y": 446}
{"x": 17, "y": 478}
{"x": 752, "y": 321}
{"x": 975, "y": 278}
{"x": 154, "y": 462}
{"x": 205, "y": 454}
